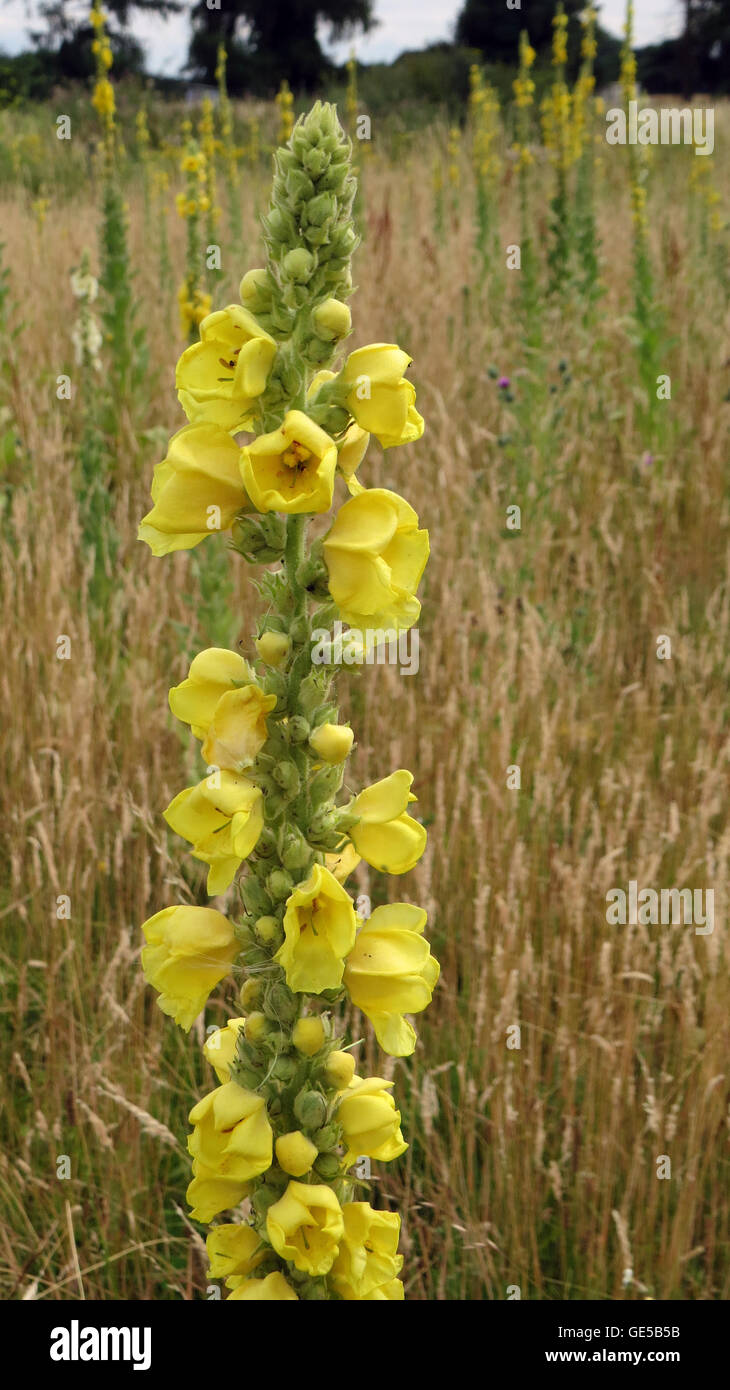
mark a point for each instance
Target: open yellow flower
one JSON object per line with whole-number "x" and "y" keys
{"x": 292, "y": 469}
{"x": 234, "y": 1252}
{"x": 370, "y": 1121}
{"x": 319, "y": 929}
{"x": 196, "y": 490}
{"x": 273, "y": 1288}
{"x": 213, "y": 673}
{"x": 381, "y": 400}
{"x": 391, "y": 972}
{"x": 342, "y": 863}
{"x": 305, "y": 1226}
{"x": 230, "y": 720}
{"x": 375, "y": 555}
{"x": 220, "y": 1047}
{"x": 222, "y": 817}
{"x": 368, "y": 1263}
{"x": 231, "y": 1143}
{"x": 220, "y": 378}
{"x": 386, "y": 836}
{"x": 189, "y": 950}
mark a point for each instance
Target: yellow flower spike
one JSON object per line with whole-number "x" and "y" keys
{"x": 220, "y": 378}
{"x": 319, "y": 929}
{"x": 309, "y": 1036}
{"x": 381, "y": 400}
{"x": 189, "y": 951}
{"x": 368, "y": 1262}
{"x": 332, "y": 742}
{"x": 353, "y": 446}
{"x": 231, "y": 1143}
{"x": 339, "y": 1070}
{"x": 238, "y": 731}
{"x": 273, "y": 1288}
{"x": 213, "y": 673}
{"x": 305, "y": 1227}
{"x": 391, "y": 972}
{"x": 375, "y": 556}
{"x": 234, "y": 1252}
{"x": 220, "y": 1048}
{"x": 386, "y": 836}
{"x": 370, "y": 1121}
{"x": 295, "y": 1153}
{"x": 222, "y": 817}
{"x": 196, "y": 490}
{"x": 292, "y": 469}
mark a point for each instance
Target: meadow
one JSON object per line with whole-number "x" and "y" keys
{"x": 530, "y": 1167}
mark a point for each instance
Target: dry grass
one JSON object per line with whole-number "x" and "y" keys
{"x": 534, "y": 1167}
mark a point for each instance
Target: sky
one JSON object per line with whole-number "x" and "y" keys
{"x": 402, "y": 24}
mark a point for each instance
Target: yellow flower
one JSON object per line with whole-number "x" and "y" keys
{"x": 292, "y": 469}
{"x": 391, "y": 972}
{"x": 220, "y": 378}
{"x": 368, "y": 1262}
{"x": 213, "y": 673}
{"x": 231, "y": 1144}
{"x": 386, "y": 836}
{"x": 342, "y": 864}
{"x": 295, "y": 1153}
{"x": 381, "y": 400}
{"x": 305, "y": 1226}
{"x": 273, "y": 1287}
{"x": 189, "y": 950}
{"x": 234, "y": 1252}
{"x": 220, "y": 1047}
{"x": 319, "y": 927}
{"x": 238, "y": 729}
{"x": 273, "y": 648}
{"x": 196, "y": 490}
{"x": 222, "y": 817}
{"x": 370, "y": 1121}
{"x": 353, "y": 445}
{"x": 332, "y": 742}
{"x": 375, "y": 556}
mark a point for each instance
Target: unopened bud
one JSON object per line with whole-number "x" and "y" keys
{"x": 298, "y": 264}
{"x": 332, "y": 320}
{"x": 339, "y": 1069}
{"x": 309, "y": 1036}
{"x": 332, "y": 742}
{"x": 310, "y": 1107}
{"x": 280, "y": 1003}
{"x": 256, "y": 1027}
{"x": 267, "y": 929}
{"x": 253, "y": 288}
{"x": 295, "y": 1153}
{"x": 279, "y": 884}
{"x": 273, "y": 648}
{"x": 298, "y": 729}
{"x": 286, "y": 776}
{"x": 328, "y": 1166}
{"x": 250, "y": 989}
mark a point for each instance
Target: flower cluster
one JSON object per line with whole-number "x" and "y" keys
{"x": 274, "y": 432}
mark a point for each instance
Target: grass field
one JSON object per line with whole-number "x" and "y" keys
{"x": 534, "y": 1166}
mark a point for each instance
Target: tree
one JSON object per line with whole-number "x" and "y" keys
{"x": 495, "y": 29}
{"x": 65, "y": 38}
{"x": 705, "y": 44}
{"x": 268, "y": 40}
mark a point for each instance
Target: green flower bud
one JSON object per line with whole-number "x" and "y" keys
{"x": 279, "y": 1003}
{"x": 268, "y": 930}
{"x": 244, "y": 1076}
{"x": 296, "y": 853}
{"x": 263, "y": 1198}
{"x": 299, "y": 264}
{"x": 284, "y": 1069}
{"x": 279, "y": 884}
{"x": 251, "y": 989}
{"x": 327, "y": 1166}
{"x": 255, "y": 289}
{"x": 256, "y": 1027}
{"x": 286, "y": 776}
{"x": 328, "y": 1137}
{"x": 310, "y": 1108}
{"x": 298, "y": 729}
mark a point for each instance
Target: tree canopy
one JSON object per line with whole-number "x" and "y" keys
{"x": 267, "y": 40}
